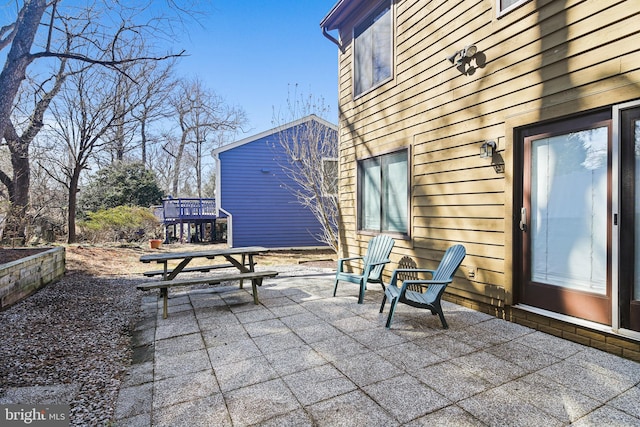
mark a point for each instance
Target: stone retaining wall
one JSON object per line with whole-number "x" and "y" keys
{"x": 21, "y": 278}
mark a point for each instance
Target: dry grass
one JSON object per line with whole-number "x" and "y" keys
{"x": 123, "y": 260}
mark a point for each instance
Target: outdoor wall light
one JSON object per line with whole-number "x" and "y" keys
{"x": 461, "y": 55}
{"x": 487, "y": 149}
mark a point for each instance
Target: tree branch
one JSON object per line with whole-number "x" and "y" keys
{"x": 112, "y": 64}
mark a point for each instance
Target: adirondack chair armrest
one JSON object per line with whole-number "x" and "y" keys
{"x": 416, "y": 270}
{"x": 341, "y": 261}
{"x": 351, "y": 258}
{"x": 394, "y": 276}
{"x": 427, "y": 284}
{"x": 384, "y": 261}
{"x": 370, "y": 266}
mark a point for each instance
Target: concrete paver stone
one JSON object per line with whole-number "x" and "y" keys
{"x": 305, "y": 358}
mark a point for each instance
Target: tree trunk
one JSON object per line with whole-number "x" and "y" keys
{"x": 176, "y": 171}
{"x": 143, "y": 137}
{"x": 18, "y": 58}
{"x": 73, "y": 202}
{"x": 21, "y": 177}
{"x": 19, "y": 184}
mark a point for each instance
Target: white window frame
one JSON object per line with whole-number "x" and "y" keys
{"x": 375, "y": 84}
{"x": 515, "y": 5}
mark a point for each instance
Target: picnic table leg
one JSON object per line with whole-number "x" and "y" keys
{"x": 178, "y": 268}
{"x": 164, "y": 293}
{"x": 243, "y": 264}
{"x": 254, "y": 284}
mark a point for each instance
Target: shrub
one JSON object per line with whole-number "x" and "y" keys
{"x": 120, "y": 184}
{"x": 130, "y": 223}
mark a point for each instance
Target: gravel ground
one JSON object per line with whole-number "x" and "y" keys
{"x": 70, "y": 343}
{"x": 73, "y": 335}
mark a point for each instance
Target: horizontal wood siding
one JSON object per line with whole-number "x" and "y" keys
{"x": 265, "y": 213}
{"x": 544, "y": 60}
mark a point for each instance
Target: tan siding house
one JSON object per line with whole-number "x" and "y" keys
{"x": 549, "y": 219}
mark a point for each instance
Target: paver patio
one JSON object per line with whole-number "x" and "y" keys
{"x": 303, "y": 357}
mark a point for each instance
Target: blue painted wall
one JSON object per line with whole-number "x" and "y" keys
{"x": 265, "y": 213}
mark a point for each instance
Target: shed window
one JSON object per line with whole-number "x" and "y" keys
{"x": 329, "y": 176}
{"x": 373, "y": 51}
{"x": 383, "y": 196}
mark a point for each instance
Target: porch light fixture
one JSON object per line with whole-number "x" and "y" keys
{"x": 487, "y": 149}
{"x": 463, "y": 54}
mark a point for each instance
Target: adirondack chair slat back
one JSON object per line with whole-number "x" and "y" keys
{"x": 378, "y": 250}
{"x": 406, "y": 262}
{"x": 450, "y": 262}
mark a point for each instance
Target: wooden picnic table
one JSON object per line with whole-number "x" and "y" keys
{"x": 245, "y": 264}
{"x": 241, "y": 258}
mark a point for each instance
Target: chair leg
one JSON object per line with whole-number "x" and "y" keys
{"x": 392, "y": 310}
{"x": 335, "y": 288}
{"x": 363, "y": 286}
{"x": 384, "y": 301}
{"x": 444, "y": 322}
{"x": 438, "y": 308}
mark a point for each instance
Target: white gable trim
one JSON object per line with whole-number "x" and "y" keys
{"x": 274, "y": 131}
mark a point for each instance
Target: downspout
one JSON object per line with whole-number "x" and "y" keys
{"x": 332, "y": 39}
{"x": 219, "y": 209}
{"x": 218, "y": 193}
{"x": 229, "y": 227}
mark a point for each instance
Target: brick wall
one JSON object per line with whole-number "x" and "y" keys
{"x": 21, "y": 278}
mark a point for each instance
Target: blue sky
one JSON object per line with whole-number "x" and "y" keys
{"x": 251, "y": 51}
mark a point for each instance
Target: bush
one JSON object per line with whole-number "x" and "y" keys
{"x": 120, "y": 184}
{"x": 130, "y": 223}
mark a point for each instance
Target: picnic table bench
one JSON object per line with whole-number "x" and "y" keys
{"x": 199, "y": 269}
{"x": 241, "y": 258}
{"x": 164, "y": 285}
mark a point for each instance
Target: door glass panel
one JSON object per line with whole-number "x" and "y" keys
{"x": 569, "y": 210}
{"x": 636, "y": 283}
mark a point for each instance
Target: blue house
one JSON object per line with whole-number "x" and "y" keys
{"x": 255, "y": 193}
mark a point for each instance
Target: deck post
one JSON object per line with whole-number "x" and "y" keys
{"x": 192, "y": 215}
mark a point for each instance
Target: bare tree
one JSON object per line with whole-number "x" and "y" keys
{"x": 153, "y": 105}
{"x": 83, "y": 114}
{"x": 199, "y": 113}
{"x": 18, "y": 138}
{"x": 310, "y": 162}
{"x": 161, "y": 162}
{"x": 150, "y": 90}
{"x": 45, "y": 29}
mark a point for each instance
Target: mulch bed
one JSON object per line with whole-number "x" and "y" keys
{"x": 9, "y": 255}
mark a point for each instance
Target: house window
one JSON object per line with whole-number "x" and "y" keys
{"x": 383, "y": 196}
{"x": 373, "y": 51}
{"x": 505, "y": 6}
{"x": 329, "y": 177}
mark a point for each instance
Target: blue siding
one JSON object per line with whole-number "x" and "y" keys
{"x": 265, "y": 213}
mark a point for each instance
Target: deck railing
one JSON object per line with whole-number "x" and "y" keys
{"x": 186, "y": 209}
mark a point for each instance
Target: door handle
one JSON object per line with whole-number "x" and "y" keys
{"x": 523, "y": 219}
